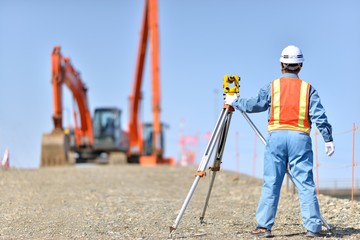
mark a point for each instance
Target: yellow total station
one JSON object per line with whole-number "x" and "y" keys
{"x": 234, "y": 80}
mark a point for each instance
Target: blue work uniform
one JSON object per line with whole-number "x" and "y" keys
{"x": 288, "y": 148}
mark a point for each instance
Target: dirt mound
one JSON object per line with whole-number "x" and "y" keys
{"x": 133, "y": 202}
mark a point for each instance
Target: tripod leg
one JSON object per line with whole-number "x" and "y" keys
{"x": 203, "y": 164}
{"x": 217, "y": 161}
{"x": 252, "y": 125}
{"x": 208, "y": 196}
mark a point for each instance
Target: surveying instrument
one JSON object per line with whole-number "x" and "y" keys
{"x": 218, "y": 137}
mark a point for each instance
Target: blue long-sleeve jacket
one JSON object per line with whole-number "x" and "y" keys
{"x": 262, "y": 102}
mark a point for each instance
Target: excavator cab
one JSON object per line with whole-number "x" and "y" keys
{"x": 148, "y": 139}
{"x": 152, "y": 155}
{"x": 108, "y": 134}
{"x": 111, "y": 143}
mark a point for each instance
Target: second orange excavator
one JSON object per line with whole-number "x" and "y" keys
{"x": 147, "y": 148}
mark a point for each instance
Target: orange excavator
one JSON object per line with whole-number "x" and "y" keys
{"x": 100, "y": 139}
{"x": 146, "y": 140}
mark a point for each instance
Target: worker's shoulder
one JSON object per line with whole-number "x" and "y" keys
{"x": 292, "y": 78}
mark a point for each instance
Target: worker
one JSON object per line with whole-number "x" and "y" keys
{"x": 293, "y": 105}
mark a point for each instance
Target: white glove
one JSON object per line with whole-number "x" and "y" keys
{"x": 329, "y": 148}
{"x": 229, "y": 99}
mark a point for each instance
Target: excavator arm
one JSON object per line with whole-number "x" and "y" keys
{"x": 155, "y": 73}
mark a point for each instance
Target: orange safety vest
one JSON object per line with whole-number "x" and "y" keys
{"x": 289, "y": 105}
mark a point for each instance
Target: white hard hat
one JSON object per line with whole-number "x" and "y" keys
{"x": 291, "y": 55}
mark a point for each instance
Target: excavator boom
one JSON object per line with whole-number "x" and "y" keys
{"x": 55, "y": 145}
{"x": 64, "y": 73}
{"x": 135, "y": 136}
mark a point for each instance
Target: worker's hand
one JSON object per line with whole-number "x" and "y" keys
{"x": 229, "y": 99}
{"x": 329, "y": 148}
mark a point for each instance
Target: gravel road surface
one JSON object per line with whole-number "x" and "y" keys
{"x": 134, "y": 202}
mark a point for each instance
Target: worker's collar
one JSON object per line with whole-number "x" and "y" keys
{"x": 290, "y": 75}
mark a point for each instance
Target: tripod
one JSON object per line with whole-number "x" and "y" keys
{"x": 219, "y": 136}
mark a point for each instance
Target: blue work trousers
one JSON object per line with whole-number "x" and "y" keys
{"x": 294, "y": 149}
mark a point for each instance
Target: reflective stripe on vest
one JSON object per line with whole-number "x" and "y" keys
{"x": 289, "y": 105}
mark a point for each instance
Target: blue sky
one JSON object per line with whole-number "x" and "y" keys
{"x": 200, "y": 41}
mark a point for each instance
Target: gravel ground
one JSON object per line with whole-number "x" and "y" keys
{"x": 134, "y": 202}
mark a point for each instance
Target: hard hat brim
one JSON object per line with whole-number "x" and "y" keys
{"x": 292, "y": 60}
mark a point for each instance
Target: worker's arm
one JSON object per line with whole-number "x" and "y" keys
{"x": 259, "y": 103}
{"x": 318, "y": 116}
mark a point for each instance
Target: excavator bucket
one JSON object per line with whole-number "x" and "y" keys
{"x": 55, "y": 149}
